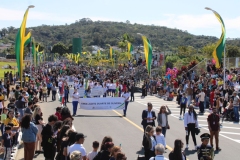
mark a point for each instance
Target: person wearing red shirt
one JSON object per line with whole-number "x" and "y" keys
{"x": 211, "y": 97}
{"x": 214, "y": 82}
{"x": 58, "y": 113}
{"x": 214, "y": 127}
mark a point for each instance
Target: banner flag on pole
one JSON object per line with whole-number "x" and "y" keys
{"x": 218, "y": 51}
{"x": 28, "y": 39}
{"x": 130, "y": 49}
{"x": 20, "y": 41}
{"x": 148, "y": 53}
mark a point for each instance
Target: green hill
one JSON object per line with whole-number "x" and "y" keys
{"x": 101, "y": 33}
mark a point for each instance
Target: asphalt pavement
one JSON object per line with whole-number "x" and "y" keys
{"x": 127, "y": 131}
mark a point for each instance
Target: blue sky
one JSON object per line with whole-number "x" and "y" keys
{"x": 187, "y": 15}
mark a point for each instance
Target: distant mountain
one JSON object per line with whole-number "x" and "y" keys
{"x": 101, "y": 33}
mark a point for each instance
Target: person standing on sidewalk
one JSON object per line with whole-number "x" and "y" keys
{"x": 189, "y": 93}
{"x": 236, "y": 101}
{"x": 201, "y": 96}
{"x": 54, "y": 92}
{"x": 29, "y": 132}
{"x": 126, "y": 97}
{"x": 49, "y": 138}
{"x": 132, "y": 90}
{"x": 214, "y": 127}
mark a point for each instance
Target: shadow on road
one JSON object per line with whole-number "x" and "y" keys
{"x": 189, "y": 152}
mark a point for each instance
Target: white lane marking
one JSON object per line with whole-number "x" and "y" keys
{"x": 206, "y": 125}
{"x": 229, "y": 133}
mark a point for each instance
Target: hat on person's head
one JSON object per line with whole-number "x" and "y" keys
{"x": 234, "y": 92}
{"x": 205, "y": 136}
{"x": 79, "y": 135}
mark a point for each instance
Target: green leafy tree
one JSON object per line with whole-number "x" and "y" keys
{"x": 208, "y": 50}
{"x": 59, "y": 48}
{"x": 233, "y": 51}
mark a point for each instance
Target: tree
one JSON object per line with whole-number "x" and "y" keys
{"x": 59, "y": 48}
{"x": 69, "y": 48}
{"x": 208, "y": 50}
{"x": 232, "y": 51}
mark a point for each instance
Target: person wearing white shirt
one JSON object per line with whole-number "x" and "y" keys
{"x": 159, "y": 136}
{"x": 60, "y": 83}
{"x": 190, "y": 123}
{"x": 110, "y": 89}
{"x": 75, "y": 98}
{"x": 78, "y": 146}
{"x": 113, "y": 89}
{"x": 201, "y": 96}
{"x": 126, "y": 96}
{"x": 159, "y": 150}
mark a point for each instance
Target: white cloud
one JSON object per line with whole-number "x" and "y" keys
{"x": 193, "y": 23}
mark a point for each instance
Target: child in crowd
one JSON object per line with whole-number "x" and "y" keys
{"x": 7, "y": 142}
{"x": 159, "y": 136}
{"x": 170, "y": 97}
{"x": 58, "y": 113}
{"x": 93, "y": 153}
{"x": 3, "y": 118}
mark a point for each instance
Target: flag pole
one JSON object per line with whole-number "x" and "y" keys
{"x": 224, "y": 66}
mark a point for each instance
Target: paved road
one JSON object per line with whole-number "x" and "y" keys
{"x": 128, "y": 131}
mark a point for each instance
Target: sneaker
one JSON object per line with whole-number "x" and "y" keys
{"x": 186, "y": 146}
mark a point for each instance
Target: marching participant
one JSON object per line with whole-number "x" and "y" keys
{"x": 75, "y": 98}
{"x": 205, "y": 151}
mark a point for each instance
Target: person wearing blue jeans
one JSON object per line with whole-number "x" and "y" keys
{"x": 75, "y": 98}
{"x": 236, "y": 113}
{"x": 236, "y": 101}
{"x": 126, "y": 96}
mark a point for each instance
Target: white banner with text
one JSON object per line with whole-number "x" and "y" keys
{"x": 116, "y": 103}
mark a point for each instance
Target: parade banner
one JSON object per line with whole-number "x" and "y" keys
{"x": 97, "y": 92}
{"x": 116, "y": 103}
{"x": 81, "y": 92}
